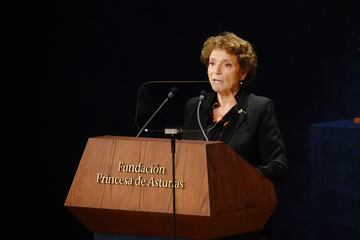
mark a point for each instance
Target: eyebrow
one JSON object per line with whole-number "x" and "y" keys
{"x": 226, "y": 59}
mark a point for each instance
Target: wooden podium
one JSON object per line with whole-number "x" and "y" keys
{"x": 123, "y": 185}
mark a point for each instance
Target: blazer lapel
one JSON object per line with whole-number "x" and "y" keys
{"x": 239, "y": 118}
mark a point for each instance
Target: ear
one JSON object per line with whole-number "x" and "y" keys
{"x": 243, "y": 76}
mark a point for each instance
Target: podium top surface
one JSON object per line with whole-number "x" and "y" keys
{"x": 129, "y": 138}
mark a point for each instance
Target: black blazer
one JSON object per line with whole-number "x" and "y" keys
{"x": 254, "y": 134}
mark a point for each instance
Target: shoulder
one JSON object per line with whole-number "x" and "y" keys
{"x": 192, "y": 100}
{"x": 195, "y": 100}
{"x": 191, "y": 103}
{"x": 259, "y": 99}
{"x": 259, "y": 104}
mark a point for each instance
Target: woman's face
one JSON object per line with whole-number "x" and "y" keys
{"x": 224, "y": 72}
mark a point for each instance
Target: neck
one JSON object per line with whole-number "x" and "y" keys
{"x": 228, "y": 99}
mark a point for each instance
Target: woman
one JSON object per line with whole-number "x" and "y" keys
{"x": 244, "y": 121}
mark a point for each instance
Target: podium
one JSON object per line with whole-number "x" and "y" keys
{"x": 123, "y": 185}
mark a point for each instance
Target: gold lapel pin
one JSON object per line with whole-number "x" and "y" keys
{"x": 241, "y": 111}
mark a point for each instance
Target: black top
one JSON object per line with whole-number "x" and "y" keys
{"x": 250, "y": 128}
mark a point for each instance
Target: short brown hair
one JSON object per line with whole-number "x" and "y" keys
{"x": 232, "y": 44}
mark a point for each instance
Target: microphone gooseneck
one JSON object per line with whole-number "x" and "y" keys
{"x": 170, "y": 95}
{"x": 201, "y": 98}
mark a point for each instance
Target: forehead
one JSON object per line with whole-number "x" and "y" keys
{"x": 221, "y": 54}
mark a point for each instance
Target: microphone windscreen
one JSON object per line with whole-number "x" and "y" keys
{"x": 202, "y": 95}
{"x": 172, "y": 92}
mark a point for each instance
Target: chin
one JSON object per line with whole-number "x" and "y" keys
{"x": 216, "y": 89}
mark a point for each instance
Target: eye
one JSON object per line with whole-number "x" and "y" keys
{"x": 211, "y": 63}
{"x": 228, "y": 65}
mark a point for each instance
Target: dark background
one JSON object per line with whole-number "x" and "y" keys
{"x": 80, "y": 64}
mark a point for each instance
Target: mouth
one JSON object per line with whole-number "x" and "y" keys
{"x": 217, "y": 80}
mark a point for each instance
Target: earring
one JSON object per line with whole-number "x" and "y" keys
{"x": 241, "y": 82}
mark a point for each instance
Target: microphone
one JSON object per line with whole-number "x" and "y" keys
{"x": 201, "y": 98}
{"x": 172, "y": 92}
{"x": 170, "y": 95}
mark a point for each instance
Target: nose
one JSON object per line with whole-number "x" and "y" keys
{"x": 217, "y": 69}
